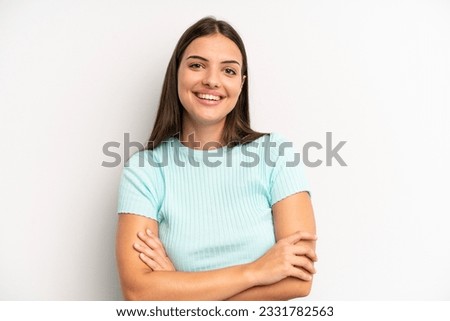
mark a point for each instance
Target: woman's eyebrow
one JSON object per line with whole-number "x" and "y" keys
{"x": 230, "y": 62}
{"x": 204, "y": 59}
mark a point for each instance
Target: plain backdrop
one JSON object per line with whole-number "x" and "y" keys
{"x": 75, "y": 75}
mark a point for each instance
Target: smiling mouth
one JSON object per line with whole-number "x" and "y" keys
{"x": 208, "y": 97}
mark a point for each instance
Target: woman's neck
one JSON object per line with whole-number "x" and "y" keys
{"x": 202, "y": 137}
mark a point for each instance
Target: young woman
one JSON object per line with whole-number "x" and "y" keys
{"x": 212, "y": 210}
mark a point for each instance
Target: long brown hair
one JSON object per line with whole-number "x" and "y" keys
{"x": 168, "y": 120}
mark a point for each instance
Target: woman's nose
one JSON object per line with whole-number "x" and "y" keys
{"x": 211, "y": 79}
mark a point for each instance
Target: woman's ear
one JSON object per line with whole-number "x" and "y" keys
{"x": 243, "y": 81}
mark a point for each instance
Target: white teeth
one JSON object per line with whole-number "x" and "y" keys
{"x": 209, "y": 97}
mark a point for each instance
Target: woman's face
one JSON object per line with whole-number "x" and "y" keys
{"x": 209, "y": 80}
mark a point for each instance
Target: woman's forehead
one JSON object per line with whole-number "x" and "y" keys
{"x": 214, "y": 47}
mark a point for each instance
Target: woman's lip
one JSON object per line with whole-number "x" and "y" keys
{"x": 209, "y": 92}
{"x": 208, "y": 102}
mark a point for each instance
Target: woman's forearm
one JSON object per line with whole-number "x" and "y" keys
{"x": 173, "y": 286}
{"x": 286, "y": 289}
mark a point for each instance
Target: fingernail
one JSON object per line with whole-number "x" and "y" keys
{"x": 149, "y": 232}
{"x": 137, "y": 245}
{"x": 140, "y": 234}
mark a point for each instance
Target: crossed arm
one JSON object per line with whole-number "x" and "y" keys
{"x": 284, "y": 272}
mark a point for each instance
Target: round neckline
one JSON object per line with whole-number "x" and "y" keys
{"x": 193, "y": 151}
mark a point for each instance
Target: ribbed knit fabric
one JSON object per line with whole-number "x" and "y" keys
{"x": 214, "y": 208}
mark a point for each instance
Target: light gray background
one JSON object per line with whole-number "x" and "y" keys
{"x": 77, "y": 74}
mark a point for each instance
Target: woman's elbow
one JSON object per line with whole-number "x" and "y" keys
{"x": 306, "y": 289}
{"x": 131, "y": 294}
{"x": 303, "y": 289}
{"x": 133, "y": 291}
{"x": 137, "y": 295}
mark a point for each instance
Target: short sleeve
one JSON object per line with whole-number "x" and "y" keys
{"x": 287, "y": 176}
{"x": 141, "y": 186}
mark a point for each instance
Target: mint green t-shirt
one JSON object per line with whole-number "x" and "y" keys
{"x": 213, "y": 207}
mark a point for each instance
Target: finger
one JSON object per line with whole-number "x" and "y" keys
{"x": 305, "y": 263}
{"x": 297, "y": 236}
{"x": 151, "y": 243}
{"x": 158, "y": 246}
{"x": 148, "y": 240}
{"x": 157, "y": 240}
{"x": 138, "y": 247}
{"x": 149, "y": 262}
{"x": 143, "y": 249}
{"x": 167, "y": 265}
{"x": 155, "y": 256}
{"x": 305, "y": 250}
{"x": 300, "y": 274}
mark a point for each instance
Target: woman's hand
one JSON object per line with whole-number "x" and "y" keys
{"x": 152, "y": 252}
{"x": 286, "y": 259}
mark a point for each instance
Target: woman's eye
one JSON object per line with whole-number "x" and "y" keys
{"x": 230, "y": 71}
{"x": 195, "y": 66}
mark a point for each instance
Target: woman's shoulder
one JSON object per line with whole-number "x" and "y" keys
{"x": 272, "y": 136}
{"x": 278, "y": 137}
{"x": 273, "y": 148}
{"x": 274, "y": 141}
{"x": 145, "y": 156}
{"x": 152, "y": 153}
{"x": 139, "y": 159}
